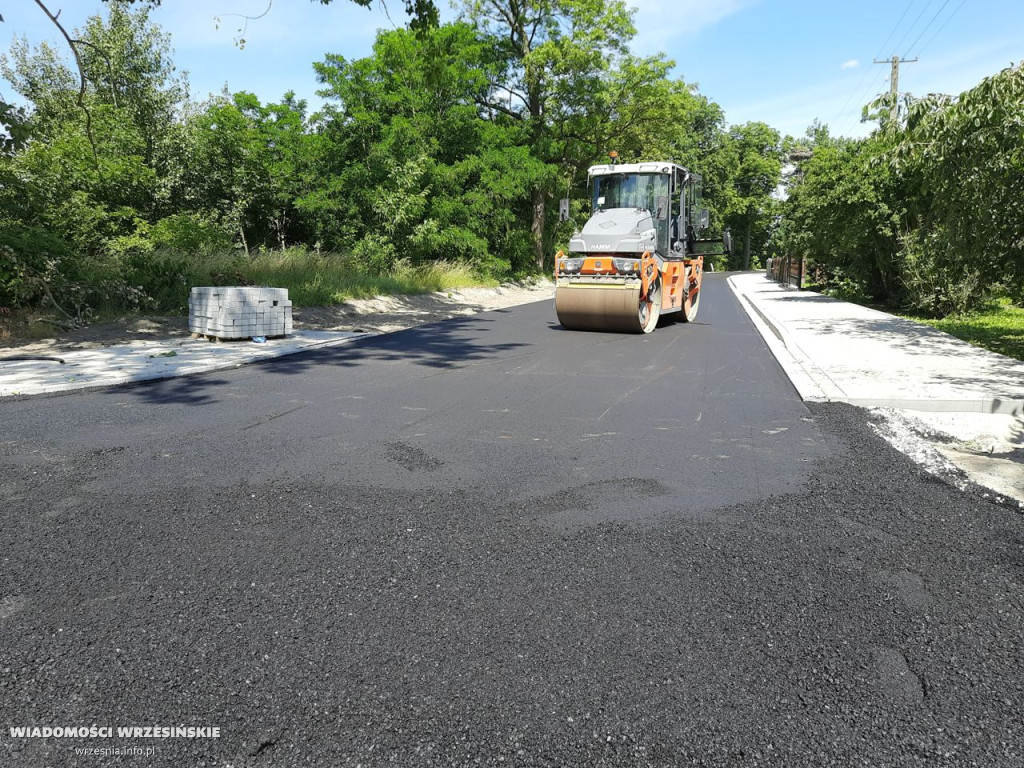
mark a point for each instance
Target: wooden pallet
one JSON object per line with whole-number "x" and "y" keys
{"x": 219, "y": 339}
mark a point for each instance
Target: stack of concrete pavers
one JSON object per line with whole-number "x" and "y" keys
{"x": 239, "y": 312}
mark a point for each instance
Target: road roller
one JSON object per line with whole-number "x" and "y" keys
{"x": 639, "y": 257}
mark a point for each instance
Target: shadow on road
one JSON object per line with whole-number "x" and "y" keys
{"x": 180, "y": 390}
{"x": 448, "y": 344}
{"x": 445, "y": 345}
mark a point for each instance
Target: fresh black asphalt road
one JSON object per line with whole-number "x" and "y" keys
{"x": 492, "y": 541}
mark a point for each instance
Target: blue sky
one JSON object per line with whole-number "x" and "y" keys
{"x": 784, "y": 62}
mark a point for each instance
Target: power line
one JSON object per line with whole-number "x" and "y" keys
{"x": 855, "y": 118}
{"x": 893, "y": 31}
{"x": 867, "y": 70}
{"x": 924, "y": 9}
{"x": 856, "y": 89}
{"x": 948, "y": 19}
{"x": 927, "y": 27}
{"x": 859, "y": 92}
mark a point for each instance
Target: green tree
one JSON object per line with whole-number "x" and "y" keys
{"x": 410, "y": 165}
{"x": 555, "y": 57}
{"x": 962, "y": 163}
{"x": 925, "y": 212}
{"x": 128, "y": 65}
{"x": 245, "y": 164}
{"x": 14, "y": 128}
{"x": 755, "y": 151}
{"x": 843, "y": 213}
{"x": 91, "y": 176}
{"x": 42, "y": 77}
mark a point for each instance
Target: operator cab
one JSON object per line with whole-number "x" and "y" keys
{"x": 668, "y": 193}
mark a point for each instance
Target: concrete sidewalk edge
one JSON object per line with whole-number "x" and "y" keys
{"x": 814, "y": 384}
{"x": 810, "y": 382}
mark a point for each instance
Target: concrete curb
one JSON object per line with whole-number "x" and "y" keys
{"x": 810, "y": 382}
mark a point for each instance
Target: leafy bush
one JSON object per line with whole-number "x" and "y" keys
{"x": 189, "y": 232}
{"x": 36, "y": 269}
{"x": 455, "y": 245}
{"x": 31, "y": 258}
{"x": 121, "y": 247}
{"x": 164, "y": 276}
{"x": 937, "y": 286}
{"x": 925, "y": 213}
{"x": 376, "y": 255}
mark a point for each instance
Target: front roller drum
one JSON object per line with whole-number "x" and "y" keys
{"x": 588, "y": 307}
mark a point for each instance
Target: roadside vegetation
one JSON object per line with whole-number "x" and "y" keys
{"x": 924, "y": 217}
{"x": 998, "y": 327}
{"x": 437, "y": 162}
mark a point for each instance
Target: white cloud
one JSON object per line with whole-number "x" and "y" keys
{"x": 688, "y": 17}
{"x": 849, "y": 64}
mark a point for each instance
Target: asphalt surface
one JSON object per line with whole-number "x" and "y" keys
{"x": 491, "y": 541}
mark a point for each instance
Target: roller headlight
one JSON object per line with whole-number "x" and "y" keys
{"x": 570, "y": 266}
{"x": 627, "y": 266}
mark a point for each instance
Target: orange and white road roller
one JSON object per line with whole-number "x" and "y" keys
{"x": 637, "y": 258}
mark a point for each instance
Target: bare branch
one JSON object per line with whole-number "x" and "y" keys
{"x": 240, "y": 39}
{"x": 81, "y": 77}
{"x": 110, "y": 66}
{"x": 500, "y": 108}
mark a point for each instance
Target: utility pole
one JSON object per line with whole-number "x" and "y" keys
{"x": 894, "y": 81}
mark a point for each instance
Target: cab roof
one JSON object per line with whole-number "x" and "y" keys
{"x": 655, "y": 166}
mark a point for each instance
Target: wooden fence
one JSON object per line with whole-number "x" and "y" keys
{"x": 788, "y": 270}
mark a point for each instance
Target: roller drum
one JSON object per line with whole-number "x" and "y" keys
{"x": 588, "y": 307}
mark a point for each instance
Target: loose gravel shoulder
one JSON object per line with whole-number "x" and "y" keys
{"x": 873, "y": 618}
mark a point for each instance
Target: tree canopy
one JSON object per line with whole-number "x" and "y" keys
{"x": 925, "y": 212}
{"x": 447, "y": 142}
{"x": 453, "y": 142}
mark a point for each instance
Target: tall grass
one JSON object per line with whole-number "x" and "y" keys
{"x": 325, "y": 279}
{"x": 312, "y": 279}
